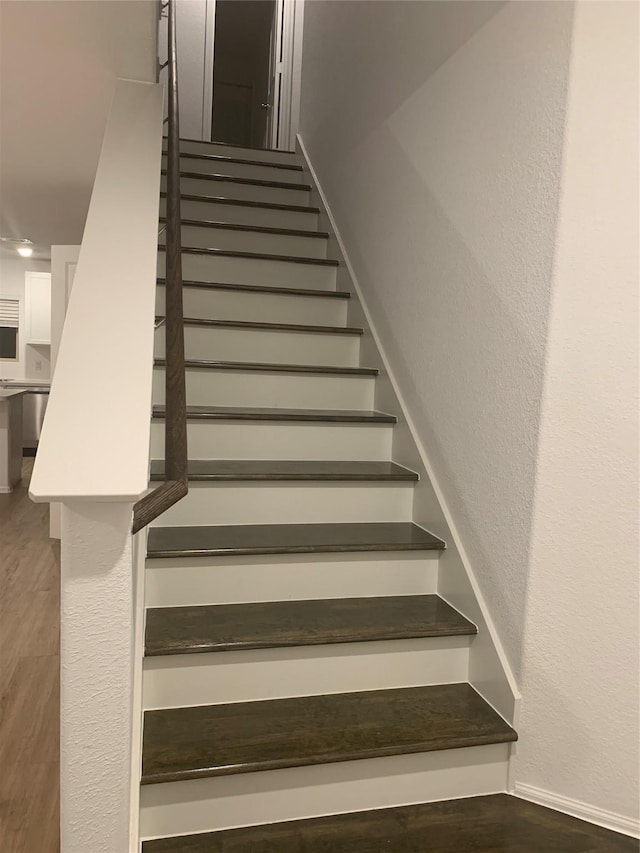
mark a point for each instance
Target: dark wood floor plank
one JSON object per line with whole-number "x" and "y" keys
{"x": 281, "y": 624}
{"x": 224, "y": 158}
{"x": 247, "y": 539}
{"x": 241, "y": 202}
{"x": 276, "y": 327}
{"x": 29, "y": 675}
{"x": 260, "y": 229}
{"x": 216, "y": 145}
{"x": 493, "y": 824}
{"x": 220, "y": 740}
{"x": 245, "y": 413}
{"x": 233, "y": 179}
{"x": 257, "y": 288}
{"x": 217, "y": 470}
{"x": 270, "y": 367}
{"x": 259, "y": 256}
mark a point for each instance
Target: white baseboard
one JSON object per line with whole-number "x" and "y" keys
{"x": 576, "y": 808}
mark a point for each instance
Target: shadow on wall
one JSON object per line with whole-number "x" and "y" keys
{"x": 372, "y": 57}
{"x": 441, "y": 158}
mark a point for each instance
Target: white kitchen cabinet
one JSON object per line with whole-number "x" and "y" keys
{"x": 38, "y": 308}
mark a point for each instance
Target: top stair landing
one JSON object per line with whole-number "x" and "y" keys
{"x": 258, "y": 155}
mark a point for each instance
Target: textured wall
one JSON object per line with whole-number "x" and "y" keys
{"x": 495, "y": 238}
{"x": 436, "y": 132}
{"x": 580, "y": 714}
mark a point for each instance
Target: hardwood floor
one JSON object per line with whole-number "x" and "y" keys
{"x": 29, "y": 675}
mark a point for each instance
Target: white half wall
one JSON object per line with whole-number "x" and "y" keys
{"x": 579, "y": 725}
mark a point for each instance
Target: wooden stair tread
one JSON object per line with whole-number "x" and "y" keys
{"x": 214, "y": 143}
{"x": 280, "y": 624}
{"x": 276, "y": 327}
{"x": 296, "y": 208}
{"x": 261, "y": 229}
{"x": 264, "y": 470}
{"x": 495, "y": 822}
{"x": 271, "y": 367}
{"x": 232, "y": 179}
{"x": 251, "y": 539}
{"x": 243, "y": 413}
{"x": 257, "y": 288}
{"x": 223, "y": 158}
{"x": 258, "y": 256}
{"x": 242, "y": 737}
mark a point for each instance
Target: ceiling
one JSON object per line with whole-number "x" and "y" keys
{"x": 59, "y": 60}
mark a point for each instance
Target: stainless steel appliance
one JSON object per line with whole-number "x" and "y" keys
{"x": 34, "y": 406}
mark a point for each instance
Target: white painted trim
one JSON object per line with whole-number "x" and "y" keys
{"x": 576, "y": 808}
{"x": 137, "y": 713}
{"x": 455, "y": 536}
{"x": 96, "y": 676}
{"x": 209, "y": 59}
{"x": 297, "y": 26}
{"x": 95, "y": 439}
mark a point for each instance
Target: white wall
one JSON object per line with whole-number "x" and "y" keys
{"x": 437, "y": 131}
{"x": 12, "y": 286}
{"x": 59, "y": 60}
{"x": 580, "y": 711}
{"x": 193, "y": 42}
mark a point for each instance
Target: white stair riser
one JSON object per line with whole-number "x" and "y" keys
{"x": 255, "y": 271}
{"x": 209, "y": 304}
{"x": 289, "y": 503}
{"x": 182, "y": 581}
{"x": 205, "y": 237}
{"x": 174, "y": 681}
{"x": 241, "y": 215}
{"x": 202, "y": 805}
{"x": 233, "y": 344}
{"x": 238, "y": 170}
{"x": 287, "y": 390}
{"x": 210, "y": 439}
{"x": 233, "y": 189}
{"x": 266, "y": 155}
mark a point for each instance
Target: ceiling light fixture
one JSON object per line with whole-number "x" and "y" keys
{"x": 24, "y": 247}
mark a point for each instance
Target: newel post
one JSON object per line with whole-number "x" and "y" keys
{"x": 97, "y": 676}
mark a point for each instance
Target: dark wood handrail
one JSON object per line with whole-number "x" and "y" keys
{"x": 175, "y": 485}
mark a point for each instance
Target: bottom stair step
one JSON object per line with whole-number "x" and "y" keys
{"x": 242, "y": 737}
{"x": 497, "y": 823}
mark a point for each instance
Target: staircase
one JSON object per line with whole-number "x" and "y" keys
{"x": 298, "y": 659}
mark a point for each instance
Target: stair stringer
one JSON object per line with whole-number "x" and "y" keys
{"x": 489, "y": 670}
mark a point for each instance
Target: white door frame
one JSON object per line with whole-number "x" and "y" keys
{"x": 209, "y": 47}
{"x": 285, "y": 125}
